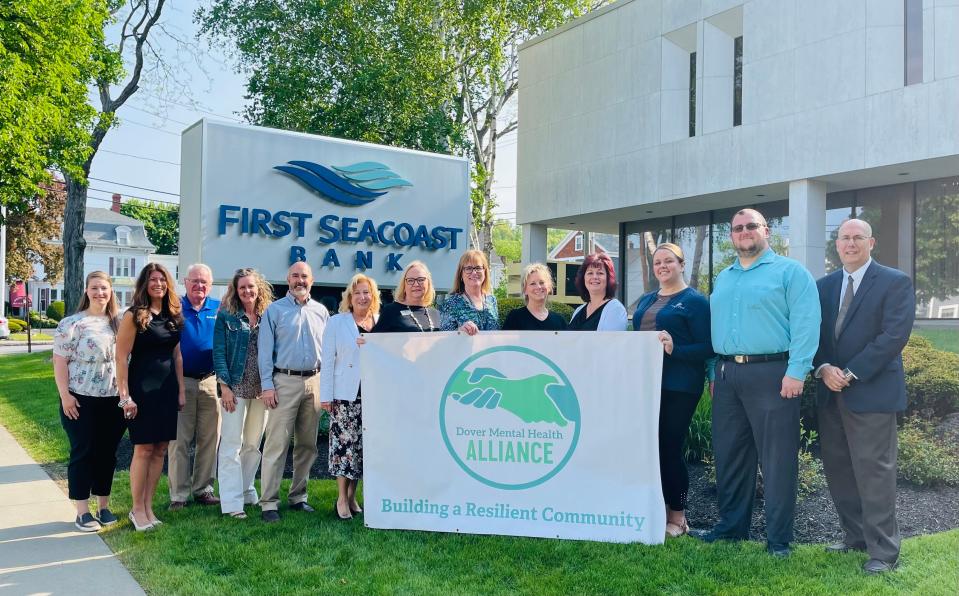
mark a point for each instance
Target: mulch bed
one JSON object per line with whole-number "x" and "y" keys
{"x": 919, "y": 510}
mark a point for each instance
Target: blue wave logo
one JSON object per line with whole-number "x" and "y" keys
{"x": 356, "y": 184}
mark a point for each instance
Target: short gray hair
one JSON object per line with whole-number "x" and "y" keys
{"x": 194, "y": 266}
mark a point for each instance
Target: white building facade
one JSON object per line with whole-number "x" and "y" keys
{"x": 658, "y": 119}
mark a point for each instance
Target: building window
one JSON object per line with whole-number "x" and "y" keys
{"x": 570, "y": 282}
{"x": 937, "y": 249}
{"x": 121, "y": 267}
{"x": 552, "y": 271}
{"x": 738, "y": 81}
{"x": 579, "y": 243}
{"x": 692, "y": 94}
{"x": 913, "y": 41}
{"x": 123, "y": 235}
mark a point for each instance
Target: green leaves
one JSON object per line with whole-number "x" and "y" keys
{"x": 162, "y": 223}
{"x": 48, "y": 55}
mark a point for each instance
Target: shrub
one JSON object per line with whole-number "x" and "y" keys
{"x": 699, "y": 439}
{"x": 38, "y": 321}
{"x": 923, "y": 459}
{"x": 15, "y": 326}
{"x": 932, "y": 378}
{"x": 56, "y": 310}
{"x": 506, "y": 305}
{"x": 21, "y": 322}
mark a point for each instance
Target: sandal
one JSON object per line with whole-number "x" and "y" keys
{"x": 237, "y": 514}
{"x": 676, "y": 530}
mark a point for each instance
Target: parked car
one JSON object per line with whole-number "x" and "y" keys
{"x": 4, "y": 328}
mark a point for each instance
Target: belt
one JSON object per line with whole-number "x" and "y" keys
{"x": 751, "y": 358}
{"x": 296, "y": 373}
{"x": 200, "y": 377}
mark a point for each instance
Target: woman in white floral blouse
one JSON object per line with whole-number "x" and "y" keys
{"x": 84, "y": 349}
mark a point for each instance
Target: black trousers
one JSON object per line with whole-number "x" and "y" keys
{"x": 94, "y": 437}
{"x": 676, "y": 410}
{"x": 752, "y": 422}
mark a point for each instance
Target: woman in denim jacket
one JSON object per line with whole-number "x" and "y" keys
{"x": 244, "y": 415}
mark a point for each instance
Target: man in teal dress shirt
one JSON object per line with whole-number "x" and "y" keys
{"x": 765, "y": 331}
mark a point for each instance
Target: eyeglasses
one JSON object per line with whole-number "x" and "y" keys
{"x": 198, "y": 282}
{"x": 856, "y": 239}
{"x": 751, "y": 226}
{"x": 415, "y": 281}
{"x": 473, "y": 268}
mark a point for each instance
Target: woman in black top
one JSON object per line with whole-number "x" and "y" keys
{"x": 411, "y": 309}
{"x": 537, "y": 284}
{"x": 150, "y": 383}
{"x": 596, "y": 282}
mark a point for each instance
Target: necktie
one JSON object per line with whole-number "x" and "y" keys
{"x": 844, "y": 307}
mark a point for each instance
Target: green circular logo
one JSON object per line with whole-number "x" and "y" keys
{"x": 509, "y": 417}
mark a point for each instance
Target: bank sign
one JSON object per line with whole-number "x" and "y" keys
{"x": 264, "y": 198}
{"x": 524, "y": 434}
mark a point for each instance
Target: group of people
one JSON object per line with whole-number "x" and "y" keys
{"x": 227, "y": 374}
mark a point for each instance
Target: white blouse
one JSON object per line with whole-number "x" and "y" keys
{"x": 89, "y": 345}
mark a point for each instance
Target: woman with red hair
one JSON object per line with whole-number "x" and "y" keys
{"x": 596, "y": 282}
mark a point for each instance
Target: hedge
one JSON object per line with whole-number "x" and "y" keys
{"x": 56, "y": 310}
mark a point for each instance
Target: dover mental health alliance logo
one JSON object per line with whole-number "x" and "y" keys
{"x": 356, "y": 184}
{"x": 510, "y": 417}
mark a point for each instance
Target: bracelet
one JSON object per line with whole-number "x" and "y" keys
{"x": 124, "y": 402}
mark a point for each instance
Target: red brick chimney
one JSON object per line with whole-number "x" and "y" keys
{"x": 116, "y": 203}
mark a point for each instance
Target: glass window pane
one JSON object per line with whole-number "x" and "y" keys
{"x": 839, "y": 208}
{"x": 937, "y": 249}
{"x": 738, "y": 81}
{"x": 641, "y": 241}
{"x": 880, "y": 207}
{"x": 692, "y": 235}
{"x": 913, "y": 42}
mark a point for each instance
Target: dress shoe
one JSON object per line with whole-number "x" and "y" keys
{"x": 842, "y": 547}
{"x": 270, "y": 517}
{"x": 780, "y": 551}
{"x": 302, "y": 506}
{"x": 206, "y": 499}
{"x": 106, "y": 517}
{"x": 676, "y": 530}
{"x": 88, "y": 523}
{"x": 176, "y": 505}
{"x": 355, "y": 510}
{"x": 138, "y": 527}
{"x": 875, "y": 566}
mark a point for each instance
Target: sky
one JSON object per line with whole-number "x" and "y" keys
{"x": 141, "y": 157}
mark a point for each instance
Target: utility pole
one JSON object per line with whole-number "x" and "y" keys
{"x": 3, "y": 254}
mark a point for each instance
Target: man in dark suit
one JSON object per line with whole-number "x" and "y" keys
{"x": 867, "y": 315}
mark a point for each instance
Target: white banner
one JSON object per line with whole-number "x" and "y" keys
{"x": 523, "y": 434}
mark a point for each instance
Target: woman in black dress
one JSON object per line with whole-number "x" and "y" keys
{"x": 150, "y": 380}
{"x": 537, "y": 284}
{"x": 412, "y": 308}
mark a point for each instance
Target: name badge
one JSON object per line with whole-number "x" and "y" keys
{"x": 406, "y": 313}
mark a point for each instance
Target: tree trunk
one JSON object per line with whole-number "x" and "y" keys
{"x": 74, "y": 217}
{"x": 697, "y": 257}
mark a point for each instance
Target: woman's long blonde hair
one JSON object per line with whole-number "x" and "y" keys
{"x": 113, "y": 309}
{"x": 346, "y": 305}
{"x": 264, "y": 292}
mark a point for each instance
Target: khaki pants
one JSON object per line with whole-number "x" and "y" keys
{"x": 200, "y": 420}
{"x": 297, "y": 414}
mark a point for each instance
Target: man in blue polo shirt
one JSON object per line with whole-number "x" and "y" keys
{"x": 765, "y": 331}
{"x": 200, "y": 418}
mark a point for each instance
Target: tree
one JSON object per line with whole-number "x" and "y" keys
{"x": 434, "y": 75}
{"x": 507, "y": 240}
{"x": 32, "y": 231}
{"x": 49, "y": 51}
{"x": 139, "y": 19}
{"x": 161, "y": 221}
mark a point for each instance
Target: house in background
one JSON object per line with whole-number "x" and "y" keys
{"x": 116, "y": 243}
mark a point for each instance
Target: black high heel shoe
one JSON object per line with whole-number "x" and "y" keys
{"x": 336, "y": 512}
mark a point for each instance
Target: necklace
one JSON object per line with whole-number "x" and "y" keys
{"x": 429, "y": 319}
{"x": 359, "y": 322}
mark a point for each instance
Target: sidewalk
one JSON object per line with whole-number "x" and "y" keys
{"x": 40, "y": 550}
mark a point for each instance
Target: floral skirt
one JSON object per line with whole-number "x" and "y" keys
{"x": 346, "y": 439}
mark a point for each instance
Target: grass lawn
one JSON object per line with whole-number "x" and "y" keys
{"x": 943, "y": 339}
{"x": 198, "y": 552}
{"x": 35, "y": 336}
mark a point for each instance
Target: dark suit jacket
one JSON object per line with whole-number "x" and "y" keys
{"x": 873, "y": 334}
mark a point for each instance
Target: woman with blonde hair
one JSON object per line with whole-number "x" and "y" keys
{"x": 235, "y": 334}
{"x": 681, "y": 316}
{"x": 340, "y": 392}
{"x": 412, "y": 309}
{"x": 150, "y": 381}
{"x": 84, "y": 366}
{"x": 471, "y": 306}
{"x": 537, "y": 284}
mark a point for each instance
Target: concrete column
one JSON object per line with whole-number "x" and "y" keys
{"x": 906, "y": 229}
{"x": 807, "y": 224}
{"x": 534, "y": 244}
